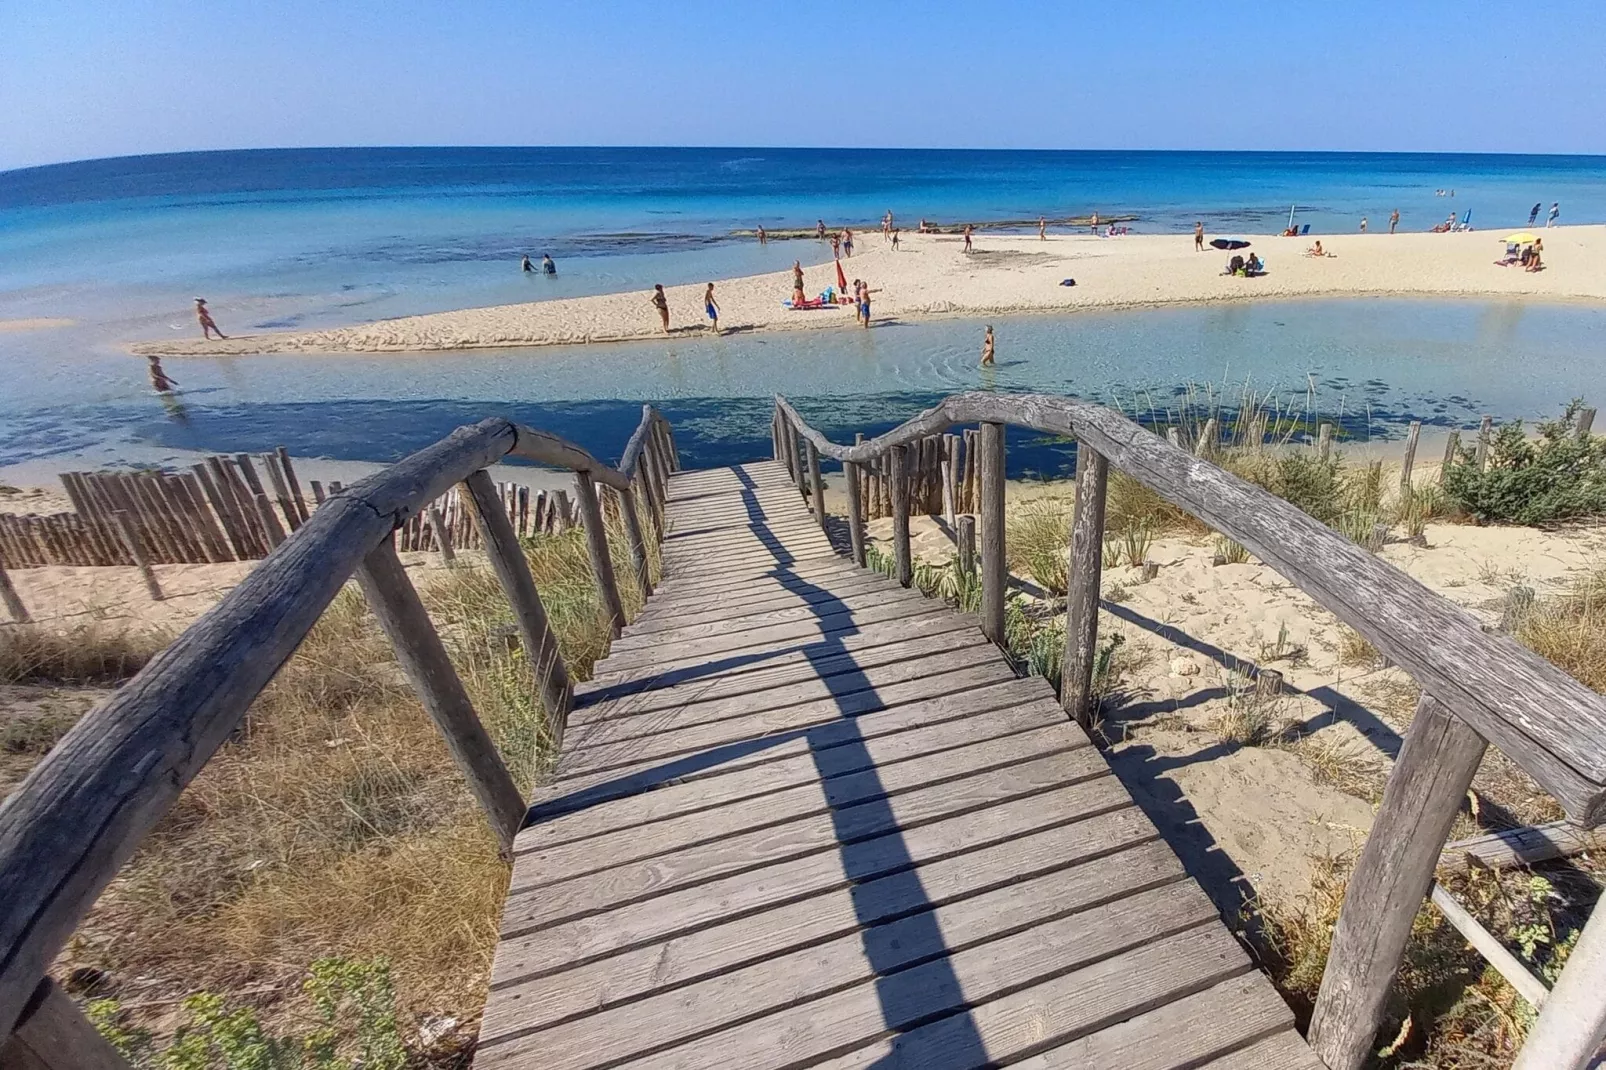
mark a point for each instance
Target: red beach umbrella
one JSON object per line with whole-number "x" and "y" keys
{"x": 841, "y": 279}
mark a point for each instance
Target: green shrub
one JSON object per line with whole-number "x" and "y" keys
{"x": 1558, "y": 476}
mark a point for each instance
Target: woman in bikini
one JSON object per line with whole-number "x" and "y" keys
{"x": 661, "y": 303}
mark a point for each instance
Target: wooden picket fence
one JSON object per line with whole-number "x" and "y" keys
{"x": 221, "y": 510}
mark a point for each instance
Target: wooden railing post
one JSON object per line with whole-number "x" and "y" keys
{"x": 670, "y": 444}
{"x": 638, "y": 545}
{"x": 816, "y": 485}
{"x": 14, "y": 606}
{"x": 1391, "y": 879}
{"x": 535, "y": 630}
{"x": 786, "y": 445}
{"x": 855, "y": 512}
{"x": 601, "y": 560}
{"x": 966, "y": 538}
{"x": 423, "y": 658}
{"x": 904, "y": 565}
{"x": 1406, "y": 465}
{"x": 994, "y": 576}
{"x": 53, "y": 1034}
{"x": 775, "y": 433}
{"x": 1082, "y": 592}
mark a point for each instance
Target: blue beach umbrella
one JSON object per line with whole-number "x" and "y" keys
{"x": 1229, "y": 243}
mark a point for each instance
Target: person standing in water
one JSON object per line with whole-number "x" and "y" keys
{"x": 208, "y": 328}
{"x": 819, "y": 229}
{"x": 1394, "y": 220}
{"x": 661, "y": 303}
{"x": 987, "y": 348}
{"x": 1198, "y": 236}
{"x": 864, "y": 303}
{"x": 1555, "y": 214}
{"x": 525, "y": 265}
{"x": 968, "y": 230}
{"x": 547, "y": 266}
{"x": 1533, "y": 213}
{"x": 763, "y": 239}
{"x": 1363, "y": 224}
{"x": 711, "y": 306}
{"x": 159, "y": 380}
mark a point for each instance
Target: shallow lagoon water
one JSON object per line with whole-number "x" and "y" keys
{"x": 1374, "y": 364}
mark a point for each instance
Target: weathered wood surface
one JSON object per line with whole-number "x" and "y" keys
{"x": 804, "y": 816}
{"x": 1525, "y": 846}
{"x": 1541, "y": 718}
{"x": 54, "y": 1035}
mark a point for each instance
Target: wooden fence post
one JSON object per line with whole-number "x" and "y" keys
{"x": 53, "y": 1034}
{"x": 14, "y": 606}
{"x": 1411, "y": 437}
{"x": 1586, "y": 421}
{"x": 1207, "y": 439}
{"x": 1082, "y": 591}
{"x": 1391, "y": 879}
{"x": 899, "y": 480}
{"x": 442, "y": 538}
{"x": 816, "y": 485}
{"x": 950, "y": 477}
{"x": 1324, "y": 441}
{"x": 1481, "y": 459}
{"x": 794, "y": 453}
{"x": 601, "y": 561}
{"x": 967, "y": 544}
{"x": 994, "y": 575}
{"x": 638, "y": 544}
{"x": 136, "y": 550}
{"x": 855, "y": 512}
{"x": 423, "y": 659}
{"x": 512, "y": 570}
{"x": 1452, "y": 453}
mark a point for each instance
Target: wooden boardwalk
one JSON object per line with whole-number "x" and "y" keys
{"x": 806, "y": 817}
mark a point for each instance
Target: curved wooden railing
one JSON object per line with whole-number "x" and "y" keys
{"x": 1477, "y": 688}
{"x": 86, "y": 807}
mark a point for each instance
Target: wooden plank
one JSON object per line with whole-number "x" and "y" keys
{"x": 222, "y": 509}
{"x": 293, "y": 483}
{"x": 653, "y": 773}
{"x": 1572, "y": 1026}
{"x": 1431, "y": 776}
{"x": 540, "y": 864}
{"x": 819, "y": 629}
{"x": 206, "y": 523}
{"x": 1284, "y": 1051}
{"x": 423, "y": 658}
{"x": 1525, "y": 846}
{"x": 763, "y": 723}
{"x": 680, "y": 669}
{"x": 624, "y": 732}
{"x": 902, "y": 563}
{"x": 949, "y": 859}
{"x": 829, "y": 678}
{"x": 53, "y": 1034}
{"x": 755, "y": 559}
{"x": 862, "y": 963}
{"x": 996, "y": 889}
{"x": 270, "y": 521}
{"x": 805, "y": 575}
{"x": 281, "y": 490}
{"x": 1212, "y": 1024}
{"x": 657, "y": 618}
{"x": 541, "y": 906}
{"x": 799, "y": 764}
{"x": 1120, "y": 963}
{"x": 702, "y": 625}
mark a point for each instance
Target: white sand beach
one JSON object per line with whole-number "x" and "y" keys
{"x": 931, "y": 276}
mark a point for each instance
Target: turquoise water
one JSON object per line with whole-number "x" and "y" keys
{"x": 312, "y": 238}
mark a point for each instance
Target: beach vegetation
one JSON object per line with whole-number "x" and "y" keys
{"x": 1037, "y": 539}
{"x": 1558, "y": 475}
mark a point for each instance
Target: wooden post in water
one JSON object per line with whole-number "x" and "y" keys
{"x": 967, "y": 544}
{"x": 1082, "y": 590}
{"x": 423, "y": 659}
{"x": 994, "y": 576}
{"x": 816, "y": 485}
{"x": 900, "y": 516}
{"x": 855, "y": 511}
{"x": 1411, "y": 438}
{"x": 1481, "y": 458}
{"x": 597, "y": 542}
{"x": 443, "y": 540}
{"x": 1391, "y": 879}
{"x": 1324, "y": 441}
{"x": 535, "y": 631}
{"x": 136, "y": 550}
{"x": 8, "y": 595}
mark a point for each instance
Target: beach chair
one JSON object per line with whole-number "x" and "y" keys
{"x": 1304, "y": 230}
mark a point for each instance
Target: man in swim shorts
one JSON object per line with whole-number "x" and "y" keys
{"x": 711, "y": 306}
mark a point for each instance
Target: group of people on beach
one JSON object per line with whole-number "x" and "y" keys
{"x": 659, "y": 301}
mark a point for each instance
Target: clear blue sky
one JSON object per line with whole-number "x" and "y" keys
{"x": 86, "y": 78}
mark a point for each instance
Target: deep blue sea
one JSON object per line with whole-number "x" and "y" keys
{"x": 311, "y": 238}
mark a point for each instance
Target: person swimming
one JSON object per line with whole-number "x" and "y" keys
{"x": 525, "y": 265}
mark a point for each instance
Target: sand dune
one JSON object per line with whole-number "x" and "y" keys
{"x": 932, "y": 276}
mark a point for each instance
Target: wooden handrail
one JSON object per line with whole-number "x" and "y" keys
{"x": 85, "y": 808}
{"x": 1548, "y": 723}
{"x": 1477, "y": 688}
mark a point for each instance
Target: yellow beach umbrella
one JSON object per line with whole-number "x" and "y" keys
{"x": 1522, "y": 237}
